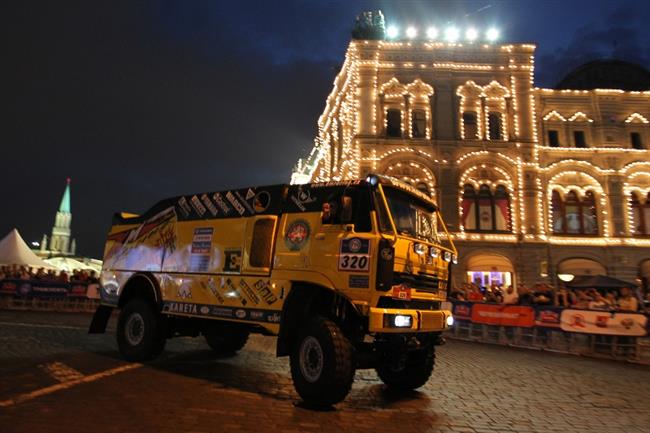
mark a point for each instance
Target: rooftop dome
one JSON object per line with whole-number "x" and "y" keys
{"x": 607, "y": 74}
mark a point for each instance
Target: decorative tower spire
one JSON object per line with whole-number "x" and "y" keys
{"x": 60, "y": 239}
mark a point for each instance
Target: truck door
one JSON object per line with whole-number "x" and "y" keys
{"x": 260, "y": 237}
{"x": 343, "y": 244}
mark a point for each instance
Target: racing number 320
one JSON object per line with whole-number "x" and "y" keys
{"x": 353, "y": 262}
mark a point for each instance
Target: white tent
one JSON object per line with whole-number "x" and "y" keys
{"x": 14, "y": 251}
{"x": 69, "y": 264}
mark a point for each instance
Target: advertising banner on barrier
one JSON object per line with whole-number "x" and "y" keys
{"x": 548, "y": 317}
{"x": 462, "y": 310}
{"x": 603, "y": 322}
{"x": 47, "y": 289}
{"x": 503, "y": 315}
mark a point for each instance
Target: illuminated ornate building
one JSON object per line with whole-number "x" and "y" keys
{"x": 533, "y": 182}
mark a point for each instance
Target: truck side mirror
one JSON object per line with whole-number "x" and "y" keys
{"x": 346, "y": 209}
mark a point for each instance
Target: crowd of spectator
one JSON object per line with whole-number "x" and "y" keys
{"x": 42, "y": 274}
{"x": 625, "y": 299}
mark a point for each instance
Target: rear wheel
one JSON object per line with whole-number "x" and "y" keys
{"x": 226, "y": 338}
{"x": 322, "y": 365}
{"x": 413, "y": 373}
{"x": 140, "y": 334}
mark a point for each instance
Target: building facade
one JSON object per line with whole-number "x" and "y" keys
{"x": 533, "y": 182}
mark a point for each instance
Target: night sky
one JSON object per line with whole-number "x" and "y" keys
{"x": 138, "y": 100}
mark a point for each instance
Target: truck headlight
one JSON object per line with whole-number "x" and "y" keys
{"x": 433, "y": 252}
{"x": 447, "y": 256}
{"x": 454, "y": 259}
{"x": 419, "y": 248}
{"x": 397, "y": 321}
{"x": 450, "y": 321}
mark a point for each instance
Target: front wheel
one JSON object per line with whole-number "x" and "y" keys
{"x": 322, "y": 365}
{"x": 413, "y": 373}
{"x": 140, "y": 334}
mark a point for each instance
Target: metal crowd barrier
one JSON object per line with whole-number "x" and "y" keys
{"x": 608, "y": 334}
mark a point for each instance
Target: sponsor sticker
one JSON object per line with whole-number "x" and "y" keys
{"x": 218, "y": 199}
{"x": 197, "y": 205}
{"x": 244, "y": 200}
{"x": 297, "y": 234}
{"x": 354, "y": 255}
{"x": 232, "y": 261}
{"x": 402, "y": 292}
{"x": 201, "y": 250}
{"x": 358, "y": 282}
{"x": 262, "y": 288}
{"x": 252, "y": 296}
{"x": 184, "y": 291}
{"x": 184, "y": 207}
{"x": 248, "y": 314}
{"x": 262, "y": 201}
{"x": 302, "y": 198}
{"x": 209, "y": 205}
{"x": 235, "y": 203}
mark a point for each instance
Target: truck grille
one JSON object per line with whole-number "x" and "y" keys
{"x": 413, "y": 304}
{"x": 421, "y": 282}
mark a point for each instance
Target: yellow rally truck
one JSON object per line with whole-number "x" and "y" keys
{"x": 347, "y": 275}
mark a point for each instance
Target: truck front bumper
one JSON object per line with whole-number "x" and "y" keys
{"x": 397, "y": 320}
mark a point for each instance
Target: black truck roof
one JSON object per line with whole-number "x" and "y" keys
{"x": 261, "y": 200}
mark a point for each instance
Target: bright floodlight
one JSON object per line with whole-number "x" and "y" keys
{"x": 392, "y": 32}
{"x": 432, "y": 33}
{"x": 411, "y": 32}
{"x": 492, "y": 34}
{"x": 471, "y": 34}
{"x": 451, "y": 34}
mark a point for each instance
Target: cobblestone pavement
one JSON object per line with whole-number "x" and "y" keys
{"x": 54, "y": 377}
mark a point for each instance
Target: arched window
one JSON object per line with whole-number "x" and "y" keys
{"x": 640, "y": 214}
{"x": 468, "y": 208}
{"x": 470, "y": 126}
{"x": 393, "y": 122}
{"x": 495, "y": 130}
{"x": 574, "y": 215}
{"x": 418, "y": 124}
{"x": 501, "y": 209}
{"x": 485, "y": 211}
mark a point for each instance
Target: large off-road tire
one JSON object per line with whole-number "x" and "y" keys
{"x": 322, "y": 364}
{"x": 226, "y": 338}
{"x": 414, "y": 373}
{"x": 140, "y": 333}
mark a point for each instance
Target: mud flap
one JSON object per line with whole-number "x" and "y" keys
{"x": 100, "y": 319}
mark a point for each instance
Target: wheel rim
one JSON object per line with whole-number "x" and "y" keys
{"x": 134, "y": 329}
{"x": 311, "y": 359}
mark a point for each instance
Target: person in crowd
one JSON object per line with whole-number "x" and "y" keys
{"x": 40, "y": 274}
{"x": 92, "y": 278}
{"x": 475, "y": 294}
{"x": 525, "y": 296}
{"x": 63, "y": 277}
{"x": 627, "y": 302}
{"x": 598, "y": 301}
{"x": 542, "y": 295}
{"x": 510, "y": 297}
{"x": 582, "y": 299}
{"x": 564, "y": 298}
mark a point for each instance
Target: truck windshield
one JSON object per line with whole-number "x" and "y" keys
{"x": 413, "y": 217}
